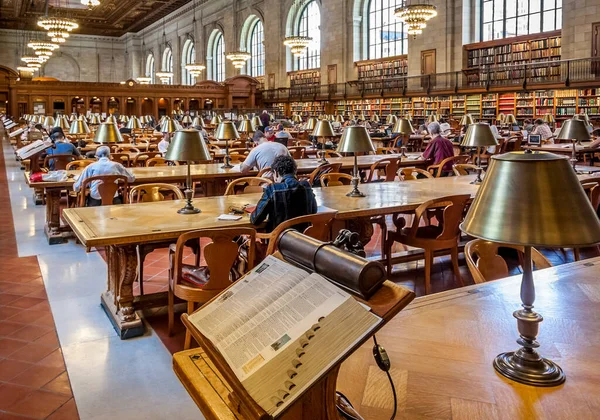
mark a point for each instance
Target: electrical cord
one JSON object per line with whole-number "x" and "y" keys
{"x": 383, "y": 361}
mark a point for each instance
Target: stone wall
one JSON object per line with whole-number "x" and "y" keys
{"x": 578, "y": 17}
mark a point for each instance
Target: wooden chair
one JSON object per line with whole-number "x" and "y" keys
{"x": 127, "y": 149}
{"x": 107, "y": 188}
{"x": 314, "y": 179}
{"x": 512, "y": 144}
{"x": 592, "y": 189}
{"x": 247, "y": 185}
{"x": 160, "y": 161}
{"x": 318, "y": 226}
{"x": 388, "y": 165}
{"x": 236, "y": 158}
{"x": 59, "y": 160}
{"x": 485, "y": 263}
{"x": 263, "y": 171}
{"x": 220, "y": 256}
{"x": 79, "y": 164}
{"x": 449, "y": 212}
{"x": 297, "y": 152}
{"x": 152, "y": 147}
{"x": 335, "y": 179}
{"x": 437, "y": 171}
{"x": 305, "y": 143}
{"x": 213, "y": 148}
{"x": 122, "y": 158}
{"x": 141, "y": 158}
{"x": 237, "y": 144}
{"x": 463, "y": 169}
{"x": 388, "y": 151}
{"x": 331, "y": 154}
{"x": 240, "y": 151}
{"x": 410, "y": 174}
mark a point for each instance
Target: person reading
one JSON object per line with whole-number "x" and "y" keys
{"x": 439, "y": 148}
{"x": 61, "y": 146}
{"x": 263, "y": 155}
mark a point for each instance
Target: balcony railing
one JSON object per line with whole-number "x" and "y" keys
{"x": 522, "y": 76}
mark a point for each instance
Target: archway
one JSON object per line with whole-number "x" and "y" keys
{"x": 78, "y": 105}
{"x": 194, "y": 106}
{"x": 58, "y": 107}
{"x": 113, "y": 106}
{"x": 163, "y": 107}
{"x": 96, "y": 105}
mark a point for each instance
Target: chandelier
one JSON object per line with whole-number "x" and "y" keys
{"x": 195, "y": 69}
{"x": 33, "y": 62}
{"x": 238, "y": 58}
{"x": 42, "y": 49}
{"x": 164, "y": 76}
{"x": 90, "y": 3}
{"x": 297, "y": 44}
{"x": 28, "y": 70}
{"x": 416, "y": 17}
{"x": 144, "y": 80}
{"x": 58, "y": 28}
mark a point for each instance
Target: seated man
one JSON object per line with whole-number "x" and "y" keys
{"x": 163, "y": 145}
{"x": 104, "y": 166}
{"x": 286, "y": 199}
{"x": 439, "y": 148}
{"x": 543, "y": 130}
{"x": 61, "y": 146}
{"x": 263, "y": 155}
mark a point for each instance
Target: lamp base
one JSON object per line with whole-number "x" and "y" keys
{"x": 537, "y": 372}
{"x": 355, "y": 193}
{"x": 189, "y": 210}
{"x": 227, "y": 166}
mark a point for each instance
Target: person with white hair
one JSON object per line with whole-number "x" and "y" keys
{"x": 439, "y": 148}
{"x": 104, "y": 166}
{"x": 265, "y": 119}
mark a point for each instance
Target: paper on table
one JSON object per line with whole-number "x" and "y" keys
{"x": 246, "y": 322}
{"x": 229, "y": 217}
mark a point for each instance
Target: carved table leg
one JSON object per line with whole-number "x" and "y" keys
{"x": 38, "y": 196}
{"x": 118, "y": 300}
{"x": 55, "y": 233}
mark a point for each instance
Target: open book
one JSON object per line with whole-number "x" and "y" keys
{"x": 281, "y": 329}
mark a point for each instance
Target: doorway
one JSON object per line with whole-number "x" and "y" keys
{"x": 428, "y": 68}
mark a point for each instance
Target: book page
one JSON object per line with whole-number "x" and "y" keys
{"x": 266, "y": 311}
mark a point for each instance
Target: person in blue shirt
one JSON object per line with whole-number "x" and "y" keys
{"x": 286, "y": 199}
{"x": 61, "y": 146}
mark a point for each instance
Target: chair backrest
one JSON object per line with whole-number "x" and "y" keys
{"x": 485, "y": 263}
{"x": 389, "y": 165}
{"x": 220, "y": 255}
{"x": 59, "y": 160}
{"x": 332, "y": 154}
{"x": 247, "y": 185}
{"x": 297, "y": 152}
{"x": 130, "y": 149}
{"x": 388, "y": 151}
{"x": 146, "y": 193}
{"x": 315, "y": 176}
{"x": 237, "y": 144}
{"x": 513, "y": 143}
{"x": 335, "y": 179}
{"x": 79, "y": 164}
{"x": 458, "y": 159}
{"x": 239, "y": 150}
{"x": 122, "y": 158}
{"x": 319, "y": 227}
{"x": 214, "y": 148}
{"x": 592, "y": 189}
{"x": 306, "y": 143}
{"x": 236, "y": 158}
{"x": 107, "y": 187}
{"x": 411, "y": 174}
{"x": 450, "y": 208}
{"x": 264, "y": 171}
{"x": 141, "y": 158}
{"x": 462, "y": 169}
{"x": 152, "y": 147}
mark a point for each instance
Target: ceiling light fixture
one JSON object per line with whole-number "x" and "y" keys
{"x": 238, "y": 58}
{"x": 297, "y": 44}
{"x": 416, "y": 16}
{"x": 33, "y": 62}
{"x": 164, "y": 76}
{"x": 58, "y": 28}
{"x": 90, "y": 3}
{"x": 42, "y": 48}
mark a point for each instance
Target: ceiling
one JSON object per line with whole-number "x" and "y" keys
{"x": 110, "y": 18}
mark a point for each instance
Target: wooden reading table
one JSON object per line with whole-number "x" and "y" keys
{"x": 212, "y": 175}
{"x": 441, "y": 349}
{"x": 121, "y": 228}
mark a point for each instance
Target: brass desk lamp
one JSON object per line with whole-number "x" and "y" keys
{"x": 479, "y": 135}
{"x": 355, "y": 140}
{"x": 405, "y": 129}
{"x": 323, "y": 130}
{"x": 574, "y": 130}
{"x": 227, "y": 131}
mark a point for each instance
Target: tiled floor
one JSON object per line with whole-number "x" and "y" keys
{"x": 34, "y": 383}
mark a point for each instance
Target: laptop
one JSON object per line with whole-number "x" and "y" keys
{"x": 535, "y": 139}
{"x": 388, "y": 132}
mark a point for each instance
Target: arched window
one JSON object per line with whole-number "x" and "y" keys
{"x": 150, "y": 67}
{"x": 188, "y": 57}
{"x": 385, "y": 32}
{"x": 309, "y": 24}
{"x": 506, "y": 18}
{"x": 257, "y": 50}
{"x": 216, "y": 59}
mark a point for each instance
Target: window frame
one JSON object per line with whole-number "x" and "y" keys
{"x": 308, "y": 62}
{"x": 256, "y": 64}
{"x": 403, "y": 41}
{"x": 218, "y": 59}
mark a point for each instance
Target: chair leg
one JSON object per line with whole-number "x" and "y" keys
{"x": 188, "y": 336}
{"x": 171, "y": 310}
{"x": 455, "y": 267}
{"x": 576, "y": 254}
{"x": 428, "y": 265}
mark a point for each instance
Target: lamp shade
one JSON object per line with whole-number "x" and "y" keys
{"x": 510, "y": 119}
{"x": 323, "y": 129}
{"x": 297, "y": 119}
{"x": 574, "y": 130}
{"x": 432, "y": 118}
{"x": 226, "y": 131}
{"x": 62, "y": 122}
{"x": 391, "y": 119}
{"x": 245, "y": 126}
{"x": 375, "y": 118}
{"x": 187, "y": 119}
{"x": 198, "y": 122}
{"x": 79, "y": 127}
{"x": 187, "y": 145}
{"x": 133, "y": 123}
{"x": 214, "y": 120}
{"x": 355, "y": 139}
{"x": 479, "y": 135}
{"x": 311, "y": 124}
{"x": 339, "y": 118}
{"x": 96, "y": 120}
{"x": 501, "y": 118}
{"x": 108, "y": 133}
{"x": 168, "y": 126}
{"x": 466, "y": 119}
{"x": 48, "y": 122}
{"x": 256, "y": 123}
{"x": 403, "y": 126}
{"x": 549, "y": 119}
{"x": 111, "y": 119}
{"x": 219, "y": 118}
{"x": 73, "y": 118}
{"x": 532, "y": 199}
{"x": 583, "y": 117}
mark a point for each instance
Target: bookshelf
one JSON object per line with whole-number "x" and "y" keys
{"x": 524, "y": 105}
{"x": 387, "y": 67}
{"x": 588, "y": 102}
{"x": 566, "y": 103}
{"x": 307, "y": 78}
{"x": 506, "y": 103}
{"x": 538, "y": 48}
{"x": 473, "y": 105}
{"x": 489, "y": 107}
{"x": 544, "y": 103}
{"x": 458, "y": 105}
{"x": 307, "y": 109}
